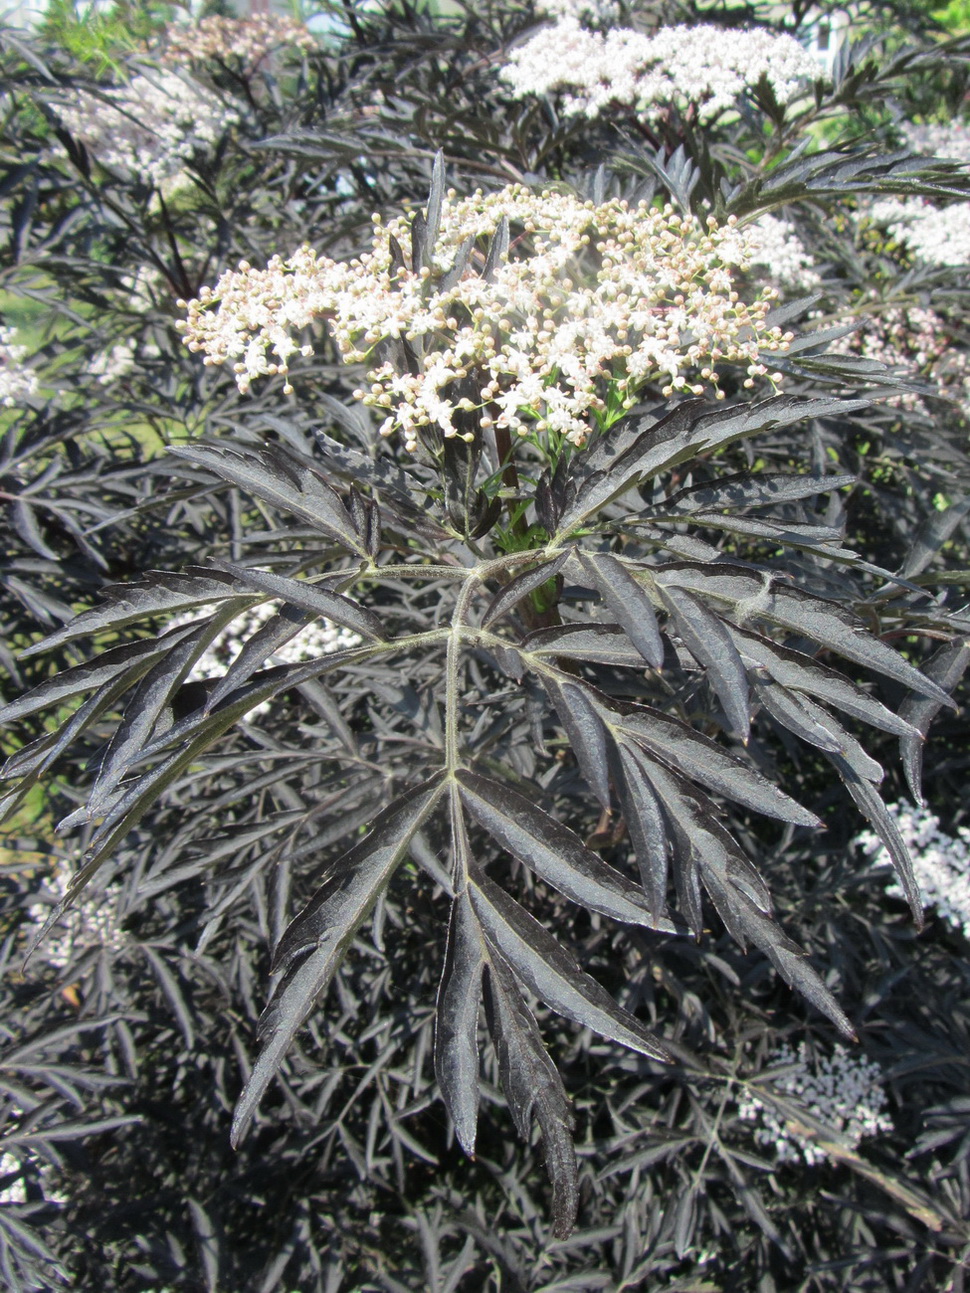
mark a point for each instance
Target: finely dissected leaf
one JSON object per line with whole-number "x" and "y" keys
{"x": 550, "y": 972}
{"x": 200, "y": 732}
{"x": 24, "y": 518}
{"x": 456, "y": 1021}
{"x": 315, "y": 598}
{"x": 271, "y": 637}
{"x": 883, "y": 823}
{"x": 521, "y": 586}
{"x": 384, "y": 846}
{"x": 394, "y": 482}
{"x": 753, "y": 594}
{"x": 133, "y": 658}
{"x": 281, "y": 480}
{"x": 738, "y": 891}
{"x": 822, "y": 539}
{"x": 157, "y": 593}
{"x": 709, "y": 641}
{"x": 366, "y": 516}
{"x": 647, "y": 826}
{"x": 145, "y": 705}
{"x": 173, "y": 993}
{"x": 532, "y": 1084}
{"x": 598, "y": 643}
{"x": 835, "y": 174}
{"x": 815, "y": 725}
{"x": 584, "y": 728}
{"x": 792, "y": 963}
{"x": 947, "y": 667}
{"x": 31, "y": 762}
{"x": 702, "y": 759}
{"x": 628, "y": 602}
{"x": 718, "y": 853}
{"x": 497, "y": 250}
{"x": 689, "y": 430}
{"x": 799, "y": 672}
{"x": 553, "y": 851}
{"x": 788, "y": 709}
{"x": 317, "y": 940}
{"x": 420, "y": 251}
{"x": 739, "y": 491}
{"x": 454, "y": 272}
{"x": 931, "y": 535}
{"x": 436, "y": 198}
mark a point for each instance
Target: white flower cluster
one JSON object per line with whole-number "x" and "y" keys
{"x": 322, "y": 637}
{"x": 89, "y": 922}
{"x": 241, "y": 41}
{"x": 705, "y": 67}
{"x": 16, "y": 380}
{"x": 16, "y": 1191}
{"x": 951, "y": 140}
{"x": 916, "y": 341}
{"x": 841, "y": 1091}
{"x": 590, "y": 301}
{"x": 146, "y": 286}
{"x": 941, "y": 862}
{"x": 108, "y": 365}
{"x": 772, "y": 243}
{"x": 934, "y": 235}
{"x": 595, "y": 13}
{"x": 150, "y": 127}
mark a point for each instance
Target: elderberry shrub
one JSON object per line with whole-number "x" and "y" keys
{"x": 486, "y": 491}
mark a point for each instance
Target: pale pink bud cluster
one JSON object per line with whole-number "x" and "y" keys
{"x": 244, "y": 42}
{"x": 917, "y": 342}
{"x": 150, "y": 127}
{"x": 703, "y": 67}
{"x": 591, "y": 300}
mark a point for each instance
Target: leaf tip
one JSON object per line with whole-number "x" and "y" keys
{"x": 240, "y": 1127}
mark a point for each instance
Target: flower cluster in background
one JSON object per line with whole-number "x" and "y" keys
{"x": 951, "y": 140}
{"x": 941, "y": 862}
{"x": 917, "y": 342}
{"x": 703, "y": 68}
{"x": 771, "y": 243}
{"x": 150, "y": 127}
{"x": 594, "y": 302}
{"x": 321, "y": 637}
{"x": 237, "y": 41}
{"x": 91, "y": 922}
{"x": 594, "y": 13}
{"x": 108, "y": 365}
{"x": 933, "y": 235}
{"x": 17, "y": 381}
{"x": 842, "y": 1091}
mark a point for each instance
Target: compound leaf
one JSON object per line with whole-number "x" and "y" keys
{"x": 318, "y": 938}
{"x": 281, "y": 480}
{"x": 552, "y": 850}
{"x": 548, "y": 971}
{"x": 532, "y": 1085}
